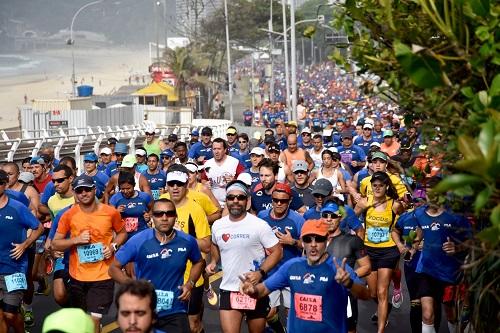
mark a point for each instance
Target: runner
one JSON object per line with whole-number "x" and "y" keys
{"x": 351, "y": 155}
{"x": 312, "y": 279}
{"x": 157, "y": 178}
{"x": 331, "y": 171}
{"x": 316, "y": 151}
{"x": 381, "y": 212}
{"x": 302, "y": 183}
{"x": 120, "y": 152}
{"x": 293, "y": 153}
{"x": 100, "y": 178}
{"x": 141, "y": 160}
{"x": 202, "y": 151}
{"x": 256, "y": 156}
{"x": 151, "y": 250}
{"x": 151, "y": 144}
{"x": 105, "y": 159}
{"x": 96, "y": 231}
{"x": 14, "y": 261}
{"x": 241, "y": 241}
{"x": 286, "y": 225}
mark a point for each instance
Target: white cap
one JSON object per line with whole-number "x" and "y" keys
{"x": 245, "y": 178}
{"x": 368, "y": 125}
{"x": 258, "y": 151}
{"x": 306, "y": 130}
{"x": 375, "y": 144}
{"x": 333, "y": 149}
{"x": 192, "y": 167}
{"x": 177, "y": 175}
{"x": 140, "y": 152}
{"x": 106, "y": 151}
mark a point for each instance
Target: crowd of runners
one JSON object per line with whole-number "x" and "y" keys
{"x": 304, "y": 220}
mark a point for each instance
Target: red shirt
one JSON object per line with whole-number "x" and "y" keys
{"x": 40, "y": 186}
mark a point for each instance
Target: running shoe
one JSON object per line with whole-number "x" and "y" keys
{"x": 211, "y": 296}
{"x": 29, "y": 318}
{"x": 43, "y": 287}
{"x": 397, "y": 298}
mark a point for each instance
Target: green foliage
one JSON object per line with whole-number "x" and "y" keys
{"x": 442, "y": 59}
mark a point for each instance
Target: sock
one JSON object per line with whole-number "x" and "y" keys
{"x": 275, "y": 323}
{"x": 428, "y": 328}
{"x": 416, "y": 318}
{"x": 396, "y": 278}
{"x": 452, "y": 327}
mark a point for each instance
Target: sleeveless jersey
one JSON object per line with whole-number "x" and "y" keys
{"x": 379, "y": 225}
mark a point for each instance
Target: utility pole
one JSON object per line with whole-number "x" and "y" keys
{"x": 293, "y": 53}
{"x": 271, "y": 86}
{"x": 229, "y": 74}
{"x": 285, "y": 48}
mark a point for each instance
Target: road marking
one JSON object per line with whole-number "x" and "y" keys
{"x": 114, "y": 325}
{"x": 110, "y": 327}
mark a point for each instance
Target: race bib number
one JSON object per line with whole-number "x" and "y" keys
{"x": 241, "y": 301}
{"x": 378, "y": 234}
{"x": 156, "y": 194}
{"x": 90, "y": 253}
{"x": 308, "y": 307}
{"x": 165, "y": 299}
{"x": 16, "y": 281}
{"x": 131, "y": 224}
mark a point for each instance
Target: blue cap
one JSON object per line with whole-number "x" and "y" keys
{"x": 91, "y": 157}
{"x": 330, "y": 207}
{"x": 121, "y": 148}
{"x": 195, "y": 133}
{"x": 167, "y": 152}
{"x": 37, "y": 160}
{"x": 83, "y": 181}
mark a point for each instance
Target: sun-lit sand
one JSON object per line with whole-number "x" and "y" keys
{"x": 104, "y": 69}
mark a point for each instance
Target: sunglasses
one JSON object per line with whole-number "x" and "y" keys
{"x": 306, "y": 134}
{"x": 319, "y": 239}
{"x": 149, "y": 133}
{"x": 230, "y": 134}
{"x": 174, "y": 183}
{"x": 59, "y": 180}
{"x": 168, "y": 213}
{"x": 281, "y": 201}
{"x": 242, "y": 141}
{"x": 328, "y": 215}
{"x": 300, "y": 172}
{"x": 80, "y": 190}
{"x": 119, "y": 154}
{"x": 317, "y": 195}
{"x": 239, "y": 197}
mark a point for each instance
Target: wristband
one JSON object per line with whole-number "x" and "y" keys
{"x": 191, "y": 283}
{"x": 262, "y": 273}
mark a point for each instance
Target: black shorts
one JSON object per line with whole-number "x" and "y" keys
{"x": 383, "y": 257}
{"x": 430, "y": 287}
{"x": 94, "y": 296}
{"x": 64, "y": 275}
{"x": 411, "y": 278}
{"x": 174, "y": 323}
{"x": 196, "y": 301}
{"x": 9, "y": 301}
{"x": 261, "y": 309}
{"x": 352, "y": 322}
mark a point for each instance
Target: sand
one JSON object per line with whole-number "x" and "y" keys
{"x": 105, "y": 70}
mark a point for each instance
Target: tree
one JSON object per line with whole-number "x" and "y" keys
{"x": 441, "y": 59}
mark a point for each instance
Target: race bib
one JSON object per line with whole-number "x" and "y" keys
{"x": 90, "y": 253}
{"x": 308, "y": 307}
{"x": 156, "y": 194}
{"x": 165, "y": 299}
{"x": 131, "y": 224}
{"x": 378, "y": 234}
{"x": 241, "y": 301}
{"x": 16, "y": 281}
{"x": 346, "y": 158}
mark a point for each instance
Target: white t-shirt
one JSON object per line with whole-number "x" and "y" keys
{"x": 242, "y": 247}
{"x": 216, "y": 175}
{"x": 316, "y": 157}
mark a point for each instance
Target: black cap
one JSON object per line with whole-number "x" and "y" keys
{"x": 112, "y": 141}
{"x": 274, "y": 147}
{"x": 83, "y": 181}
{"x": 346, "y": 134}
{"x": 46, "y": 157}
{"x": 206, "y": 131}
{"x": 269, "y": 139}
{"x": 172, "y": 137}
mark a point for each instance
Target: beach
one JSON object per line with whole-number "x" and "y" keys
{"x": 47, "y": 75}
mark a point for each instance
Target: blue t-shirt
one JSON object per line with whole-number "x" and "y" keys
{"x": 101, "y": 167}
{"x": 406, "y": 223}
{"x": 111, "y": 169}
{"x": 433, "y": 260}
{"x": 255, "y": 177}
{"x": 322, "y": 301}
{"x": 162, "y": 265}
{"x": 198, "y": 149}
{"x": 262, "y": 201}
{"x": 243, "y": 158}
{"x": 378, "y": 137}
{"x": 353, "y": 153}
{"x": 292, "y": 222}
{"x": 15, "y": 220}
{"x": 141, "y": 168}
{"x": 156, "y": 181}
{"x": 19, "y": 196}
{"x": 362, "y": 174}
{"x": 135, "y": 208}
{"x": 350, "y": 222}
{"x": 61, "y": 263}
{"x": 100, "y": 181}
{"x": 48, "y": 191}
{"x": 364, "y": 144}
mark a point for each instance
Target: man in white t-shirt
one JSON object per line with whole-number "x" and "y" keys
{"x": 221, "y": 169}
{"x": 241, "y": 241}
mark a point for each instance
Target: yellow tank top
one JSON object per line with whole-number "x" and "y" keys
{"x": 379, "y": 225}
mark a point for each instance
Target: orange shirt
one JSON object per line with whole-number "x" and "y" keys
{"x": 101, "y": 224}
{"x": 392, "y": 149}
{"x": 298, "y": 155}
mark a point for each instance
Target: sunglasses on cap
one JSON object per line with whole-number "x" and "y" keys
{"x": 330, "y": 215}
{"x": 239, "y": 197}
{"x": 309, "y": 238}
{"x": 167, "y": 213}
{"x": 82, "y": 189}
{"x": 59, "y": 180}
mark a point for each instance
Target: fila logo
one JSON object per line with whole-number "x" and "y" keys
{"x": 295, "y": 278}
{"x": 181, "y": 249}
{"x": 8, "y": 217}
{"x": 323, "y": 279}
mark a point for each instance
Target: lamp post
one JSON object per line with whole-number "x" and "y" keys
{"x": 71, "y": 42}
{"x": 293, "y": 52}
{"x": 229, "y": 75}
{"x": 285, "y": 47}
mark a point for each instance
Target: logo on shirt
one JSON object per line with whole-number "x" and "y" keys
{"x": 152, "y": 255}
{"x": 295, "y": 278}
{"x": 259, "y": 193}
{"x": 8, "y": 217}
{"x": 435, "y": 226}
{"x": 309, "y": 278}
{"x": 165, "y": 253}
{"x": 323, "y": 279}
{"x": 131, "y": 205}
{"x": 181, "y": 249}
{"x": 226, "y": 237}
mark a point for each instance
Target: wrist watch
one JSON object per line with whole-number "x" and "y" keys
{"x": 115, "y": 247}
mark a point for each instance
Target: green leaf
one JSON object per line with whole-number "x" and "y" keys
{"x": 424, "y": 71}
{"x": 480, "y": 7}
{"x": 495, "y": 86}
{"x": 387, "y": 4}
{"x": 482, "y": 199}
{"x": 495, "y": 216}
{"x": 482, "y": 33}
{"x": 474, "y": 166}
{"x": 484, "y": 98}
{"x": 456, "y": 181}
{"x": 469, "y": 148}
{"x": 467, "y": 92}
{"x": 486, "y": 137}
{"x": 490, "y": 235}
